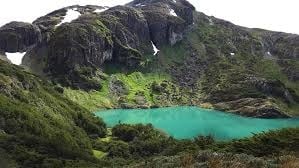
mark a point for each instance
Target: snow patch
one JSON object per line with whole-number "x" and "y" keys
{"x": 15, "y": 58}
{"x": 269, "y": 53}
{"x": 211, "y": 22}
{"x": 232, "y": 54}
{"x": 174, "y": 1}
{"x": 140, "y": 4}
{"x": 71, "y": 15}
{"x": 156, "y": 50}
{"x": 101, "y": 10}
{"x": 172, "y": 12}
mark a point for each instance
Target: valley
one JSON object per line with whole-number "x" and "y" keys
{"x": 148, "y": 83}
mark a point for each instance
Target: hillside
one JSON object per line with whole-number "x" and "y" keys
{"x": 105, "y": 58}
{"x": 38, "y": 125}
{"x": 204, "y": 61}
{"x": 145, "y": 54}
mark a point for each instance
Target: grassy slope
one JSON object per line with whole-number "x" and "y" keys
{"x": 225, "y": 73}
{"x": 271, "y": 70}
{"x": 38, "y": 125}
{"x": 136, "y": 82}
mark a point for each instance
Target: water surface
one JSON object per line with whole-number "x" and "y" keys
{"x": 188, "y": 122}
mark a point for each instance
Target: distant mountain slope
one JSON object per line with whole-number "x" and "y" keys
{"x": 202, "y": 60}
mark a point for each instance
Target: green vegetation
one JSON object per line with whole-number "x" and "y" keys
{"x": 140, "y": 83}
{"x": 45, "y": 125}
{"x": 136, "y": 83}
{"x": 131, "y": 144}
{"x": 92, "y": 100}
{"x": 270, "y": 69}
{"x": 270, "y": 143}
{"x": 38, "y": 125}
{"x": 98, "y": 154}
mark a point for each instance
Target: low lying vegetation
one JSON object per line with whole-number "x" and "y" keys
{"x": 132, "y": 144}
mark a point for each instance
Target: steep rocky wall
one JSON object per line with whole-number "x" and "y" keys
{"x": 18, "y": 36}
{"x": 121, "y": 34}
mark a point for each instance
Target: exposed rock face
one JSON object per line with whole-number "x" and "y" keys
{"x": 274, "y": 88}
{"x": 85, "y": 42}
{"x": 130, "y": 27}
{"x": 130, "y": 34}
{"x": 3, "y": 57}
{"x": 252, "y": 107}
{"x": 18, "y": 36}
{"x": 284, "y": 48}
{"x": 117, "y": 87}
{"x": 121, "y": 34}
{"x": 167, "y": 19}
{"x": 283, "y": 45}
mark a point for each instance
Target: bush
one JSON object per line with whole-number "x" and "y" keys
{"x": 125, "y": 132}
{"x": 204, "y": 141}
{"x": 37, "y": 122}
{"x": 118, "y": 149}
{"x": 128, "y": 132}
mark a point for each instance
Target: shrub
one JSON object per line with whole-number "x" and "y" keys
{"x": 118, "y": 149}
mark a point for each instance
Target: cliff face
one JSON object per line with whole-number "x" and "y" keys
{"x": 206, "y": 61}
{"x": 18, "y": 36}
{"x": 122, "y": 35}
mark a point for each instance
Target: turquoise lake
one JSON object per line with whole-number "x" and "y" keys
{"x": 189, "y": 122}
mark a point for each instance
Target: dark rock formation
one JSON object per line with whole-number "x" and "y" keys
{"x": 18, "y": 36}
{"x": 121, "y": 34}
{"x": 84, "y": 42}
{"x": 3, "y": 57}
{"x": 274, "y": 88}
{"x": 130, "y": 34}
{"x": 282, "y": 45}
{"x": 252, "y": 107}
{"x": 117, "y": 87}
{"x": 167, "y": 19}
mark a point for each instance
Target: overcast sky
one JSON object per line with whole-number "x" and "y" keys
{"x": 279, "y": 15}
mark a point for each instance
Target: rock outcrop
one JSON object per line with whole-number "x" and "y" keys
{"x": 3, "y": 57}
{"x": 167, "y": 19}
{"x": 121, "y": 35}
{"x": 84, "y": 42}
{"x": 18, "y": 36}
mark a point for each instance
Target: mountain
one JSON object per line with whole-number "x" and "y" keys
{"x": 202, "y": 60}
{"x": 145, "y": 54}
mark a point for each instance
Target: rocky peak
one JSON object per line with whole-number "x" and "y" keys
{"x": 167, "y": 19}
{"x": 120, "y": 34}
{"x": 18, "y": 36}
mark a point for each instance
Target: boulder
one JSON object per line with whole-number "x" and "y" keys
{"x": 18, "y": 36}
{"x": 117, "y": 87}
